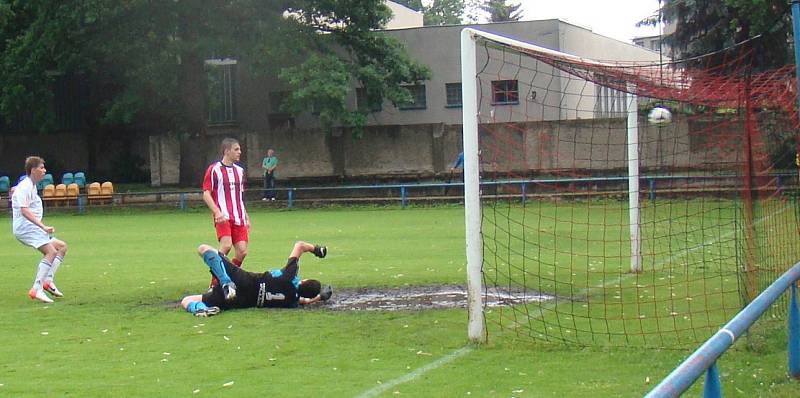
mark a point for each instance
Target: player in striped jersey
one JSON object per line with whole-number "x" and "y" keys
{"x": 223, "y": 193}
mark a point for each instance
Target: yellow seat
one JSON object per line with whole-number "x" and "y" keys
{"x": 100, "y": 193}
{"x": 93, "y": 189}
{"x": 107, "y": 188}
{"x": 72, "y": 193}
{"x": 48, "y": 191}
{"x": 59, "y": 195}
{"x": 49, "y": 195}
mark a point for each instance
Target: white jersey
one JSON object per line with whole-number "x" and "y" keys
{"x": 25, "y": 195}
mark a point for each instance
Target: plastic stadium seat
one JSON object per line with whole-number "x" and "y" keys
{"x": 107, "y": 188}
{"x": 45, "y": 181}
{"x": 93, "y": 189}
{"x": 48, "y": 193}
{"x": 72, "y": 193}
{"x": 48, "y": 179}
{"x": 5, "y": 184}
{"x": 59, "y": 194}
{"x": 67, "y": 178}
{"x": 80, "y": 179}
{"x": 100, "y": 193}
{"x": 93, "y": 192}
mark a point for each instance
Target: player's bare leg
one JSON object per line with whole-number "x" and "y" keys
{"x": 301, "y": 247}
{"x": 225, "y": 245}
{"x": 240, "y": 249}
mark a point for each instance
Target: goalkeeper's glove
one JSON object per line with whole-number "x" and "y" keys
{"x": 326, "y": 293}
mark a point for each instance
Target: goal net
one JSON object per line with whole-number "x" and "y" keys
{"x": 606, "y": 222}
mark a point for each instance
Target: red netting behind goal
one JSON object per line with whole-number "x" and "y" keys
{"x": 717, "y": 203}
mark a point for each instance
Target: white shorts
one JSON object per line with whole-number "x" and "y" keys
{"x": 33, "y": 236}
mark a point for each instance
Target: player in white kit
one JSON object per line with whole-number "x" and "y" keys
{"x": 28, "y": 228}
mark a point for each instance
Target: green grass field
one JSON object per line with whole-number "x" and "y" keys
{"x": 118, "y": 331}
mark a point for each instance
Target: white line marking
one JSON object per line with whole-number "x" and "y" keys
{"x": 374, "y": 392}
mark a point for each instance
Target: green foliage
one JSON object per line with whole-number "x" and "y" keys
{"x": 499, "y": 11}
{"x": 705, "y": 26}
{"x": 445, "y": 12}
{"x": 144, "y": 59}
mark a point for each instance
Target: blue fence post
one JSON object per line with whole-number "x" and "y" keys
{"x": 289, "y": 197}
{"x": 181, "y": 200}
{"x": 80, "y": 204}
{"x": 712, "y": 388}
{"x": 403, "y": 196}
{"x": 524, "y": 192}
{"x": 794, "y": 335}
{"x": 651, "y": 184}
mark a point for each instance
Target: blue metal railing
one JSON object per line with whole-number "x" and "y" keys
{"x": 402, "y": 193}
{"x": 704, "y": 358}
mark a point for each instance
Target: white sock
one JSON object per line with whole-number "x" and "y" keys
{"x": 41, "y": 273}
{"x": 52, "y": 273}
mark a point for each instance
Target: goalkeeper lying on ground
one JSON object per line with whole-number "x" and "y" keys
{"x": 241, "y": 289}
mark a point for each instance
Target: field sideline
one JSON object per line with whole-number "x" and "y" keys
{"x": 118, "y": 330}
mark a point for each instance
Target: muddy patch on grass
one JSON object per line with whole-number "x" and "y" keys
{"x": 414, "y": 298}
{"x": 421, "y": 298}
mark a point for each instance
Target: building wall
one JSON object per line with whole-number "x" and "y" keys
{"x": 421, "y": 141}
{"x": 403, "y": 17}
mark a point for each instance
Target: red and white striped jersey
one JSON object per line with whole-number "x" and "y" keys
{"x": 226, "y": 184}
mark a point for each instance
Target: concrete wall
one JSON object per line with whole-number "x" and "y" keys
{"x": 590, "y": 147}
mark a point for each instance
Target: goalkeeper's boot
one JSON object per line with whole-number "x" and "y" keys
{"x": 229, "y": 290}
{"x": 320, "y": 251}
{"x": 38, "y": 294}
{"x": 51, "y": 288}
{"x": 207, "y": 312}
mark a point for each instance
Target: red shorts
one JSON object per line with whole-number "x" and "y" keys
{"x": 238, "y": 233}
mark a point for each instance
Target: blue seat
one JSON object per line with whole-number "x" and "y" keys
{"x": 80, "y": 179}
{"x": 5, "y": 184}
{"x": 45, "y": 181}
{"x": 48, "y": 179}
{"x": 67, "y": 179}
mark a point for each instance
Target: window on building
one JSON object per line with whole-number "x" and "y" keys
{"x": 609, "y": 102}
{"x": 363, "y": 103}
{"x": 418, "y": 99}
{"x": 453, "y": 93}
{"x": 221, "y": 74}
{"x": 505, "y": 92}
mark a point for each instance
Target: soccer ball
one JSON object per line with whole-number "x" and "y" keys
{"x": 659, "y": 116}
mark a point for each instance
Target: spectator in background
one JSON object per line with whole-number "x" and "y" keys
{"x": 457, "y": 164}
{"x": 269, "y": 164}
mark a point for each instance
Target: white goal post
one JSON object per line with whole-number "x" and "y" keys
{"x": 472, "y": 191}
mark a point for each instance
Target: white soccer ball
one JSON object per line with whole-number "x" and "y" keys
{"x": 659, "y": 115}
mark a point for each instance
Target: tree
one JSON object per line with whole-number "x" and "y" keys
{"x": 444, "y": 12}
{"x": 499, "y": 11}
{"x": 145, "y": 60}
{"x": 706, "y": 26}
